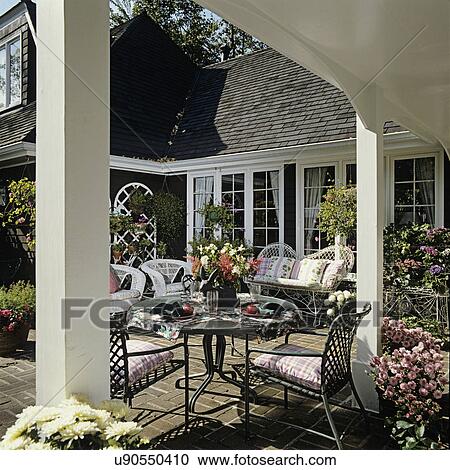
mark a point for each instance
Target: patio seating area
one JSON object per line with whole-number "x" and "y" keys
{"x": 223, "y": 426}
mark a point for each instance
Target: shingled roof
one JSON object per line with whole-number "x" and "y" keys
{"x": 260, "y": 101}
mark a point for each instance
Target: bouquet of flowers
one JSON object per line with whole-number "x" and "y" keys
{"x": 75, "y": 424}
{"x": 411, "y": 375}
{"x": 230, "y": 260}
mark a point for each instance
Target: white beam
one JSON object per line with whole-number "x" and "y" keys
{"x": 72, "y": 195}
{"x": 370, "y": 223}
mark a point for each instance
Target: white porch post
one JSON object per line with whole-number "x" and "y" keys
{"x": 72, "y": 195}
{"x": 371, "y": 218}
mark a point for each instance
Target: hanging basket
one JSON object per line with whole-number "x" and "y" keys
{"x": 10, "y": 342}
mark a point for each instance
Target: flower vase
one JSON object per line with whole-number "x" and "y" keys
{"x": 228, "y": 296}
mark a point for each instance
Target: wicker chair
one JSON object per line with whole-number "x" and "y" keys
{"x": 136, "y": 365}
{"x": 166, "y": 275}
{"x": 309, "y": 373}
{"x": 125, "y": 298}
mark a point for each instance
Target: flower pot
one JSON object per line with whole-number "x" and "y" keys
{"x": 9, "y": 342}
{"x": 228, "y": 297}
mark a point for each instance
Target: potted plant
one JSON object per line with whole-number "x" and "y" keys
{"x": 337, "y": 213}
{"x": 410, "y": 381}
{"x": 17, "y": 309}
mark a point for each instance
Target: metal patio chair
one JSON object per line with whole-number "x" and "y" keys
{"x": 319, "y": 375}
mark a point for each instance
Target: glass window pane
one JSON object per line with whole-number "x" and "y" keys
{"x": 227, "y": 199}
{"x": 272, "y": 218}
{"x": 2, "y": 77}
{"x": 272, "y": 236}
{"x": 15, "y": 68}
{"x": 272, "y": 180}
{"x": 239, "y": 219}
{"x": 259, "y": 237}
{"x": 259, "y": 218}
{"x": 350, "y": 174}
{"x": 239, "y": 182}
{"x": 404, "y": 194}
{"x": 227, "y": 183}
{"x": 273, "y": 199}
{"x": 403, "y": 215}
{"x": 310, "y": 218}
{"x": 259, "y": 180}
{"x": 259, "y": 199}
{"x": 239, "y": 234}
{"x": 328, "y": 175}
{"x": 425, "y": 193}
{"x": 425, "y": 215}
{"x": 404, "y": 170}
{"x": 311, "y": 240}
{"x": 424, "y": 169}
{"x": 199, "y": 185}
{"x": 238, "y": 200}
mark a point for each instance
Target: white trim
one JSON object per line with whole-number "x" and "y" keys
{"x": 17, "y": 154}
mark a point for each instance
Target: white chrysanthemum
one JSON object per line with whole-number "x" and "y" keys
{"x": 121, "y": 429}
{"x": 20, "y": 443}
{"x": 75, "y": 400}
{"x": 78, "y": 430}
{"x": 332, "y": 298}
{"x": 39, "y": 446}
{"x": 340, "y": 298}
{"x": 347, "y": 294}
{"x": 330, "y": 312}
{"x": 116, "y": 407}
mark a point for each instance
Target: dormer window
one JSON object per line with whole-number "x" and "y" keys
{"x": 10, "y": 73}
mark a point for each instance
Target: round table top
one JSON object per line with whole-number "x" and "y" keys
{"x": 155, "y": 315}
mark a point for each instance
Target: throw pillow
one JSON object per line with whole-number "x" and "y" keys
{"x": 334, "y": 272}
{"x": 311, "y": 271}
{"x": 281, "y": 267}
{"x": 114, "y": 281}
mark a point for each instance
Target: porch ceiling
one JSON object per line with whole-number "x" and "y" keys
{"x": 399, "y": 48}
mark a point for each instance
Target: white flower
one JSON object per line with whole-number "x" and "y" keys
{"x": 341, "y": 298}
{"x": 116, "y": 407}
{"x": 330, "y": 312}
{"x": 78, "y": 430}
{"x": 332, "y": 298}
{"x": 122, "y": 428}
{"x": 347, "y": 294}
{"x": 204, "y": 260}
{"x": 327, "y": 302}
{"x": 20, "y": 443}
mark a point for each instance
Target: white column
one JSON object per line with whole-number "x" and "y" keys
{"x": 371, "y": 219}
{"x": 72, "y": 195}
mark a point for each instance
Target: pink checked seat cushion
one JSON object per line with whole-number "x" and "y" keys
{"x": 302, "y": 370}
{"x": 140, "y": 366}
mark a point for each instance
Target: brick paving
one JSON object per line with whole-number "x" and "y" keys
{"x": 219, "y": 421}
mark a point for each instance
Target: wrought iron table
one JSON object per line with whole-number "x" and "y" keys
{"x": 156, "y": 316}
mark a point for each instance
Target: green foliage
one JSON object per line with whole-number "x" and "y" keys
{"x": 20, "y": 209}
{"x": 217, "y": 217}
{"x": 169, "y": 214}
{"x": 198, "y": 32}
{"x": 119, "y": 223}
{"x": 337, "y": 214}
{"x": 417, "y": 256}
{"x": 411, "y": 436}
{"x": 430, "y": 325}
{"x": 20, "y": 297}
{"x": 139, "y": 202}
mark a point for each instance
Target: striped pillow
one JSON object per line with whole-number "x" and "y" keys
{"x": 334, "y": 272}
{"x": 295, "y": 269}
{"x": 311, "y": 271}
{"x": 281, "y": 267}
{"x": 263, "y": 268}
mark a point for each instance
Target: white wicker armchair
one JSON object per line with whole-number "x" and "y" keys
{"x": 166, "y": 275}
{"x": 124, "y": 298}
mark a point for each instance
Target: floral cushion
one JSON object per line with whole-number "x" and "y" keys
{"x": 295, "y": 269}
{"x": 114, "y": 281}
{"x": 280, "y": 267}
{"x": 302, "y": 370}
{"x": 263, "y": 267}
{"x": 311, "y": 271}
{"x": 140, "y": 366}
{"x": 125, "y": 294}
{"x": 334, "y": 272}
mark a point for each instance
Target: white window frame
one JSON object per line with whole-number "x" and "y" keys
{"x": 248, "y": 195}
{"x": 6, "y": 44}
{"x": 438, "y": 184}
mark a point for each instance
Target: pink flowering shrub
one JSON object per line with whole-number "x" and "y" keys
{"x": 410, "y": 373}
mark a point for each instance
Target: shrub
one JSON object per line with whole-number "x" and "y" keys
{"x": 17, "y": 306}
{"x": 75, "y": 424}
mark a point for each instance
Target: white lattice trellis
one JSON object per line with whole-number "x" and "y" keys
{"x": 121, "y": 205}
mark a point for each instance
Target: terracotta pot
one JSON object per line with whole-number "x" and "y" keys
{"x": 9, "y": 342}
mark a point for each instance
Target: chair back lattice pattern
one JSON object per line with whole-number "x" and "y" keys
{"x": 170, "y": 268}
{"x": 278, "y": 250}
{"x": 122, "y": 205}
{"x": 118, "y": 362}
{"x": 336, "y": 359}
{"x": 336, "y": 252}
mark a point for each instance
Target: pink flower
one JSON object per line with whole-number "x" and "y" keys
{"x": 404, "y": 387}
{"x": 412, "y": 375}
{"x": 423, "y": 392}
{"x": 437, "y": 394}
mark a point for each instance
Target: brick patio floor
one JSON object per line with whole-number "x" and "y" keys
{"x": 219, "y": 421}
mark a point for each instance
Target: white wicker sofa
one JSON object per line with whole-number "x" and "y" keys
{"x": 124, "y": 298}
{"x": 279, "y": 261}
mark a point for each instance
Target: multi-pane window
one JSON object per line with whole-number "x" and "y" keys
{"x": 266, "y": 208}
{"x": 233, "y": 197}
{"x": 317, "y": 182}
{"x": 350, "y": 174}
{"x": 203, "y": 195}
{"x": 10, "y": 73}
{"x": 414, "y": 190}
